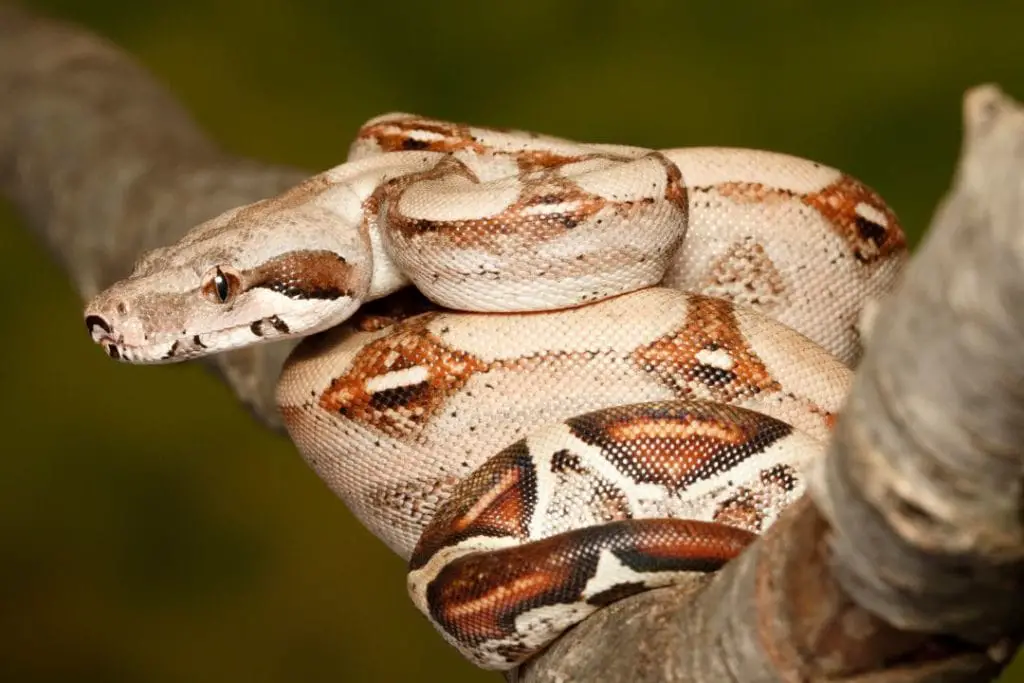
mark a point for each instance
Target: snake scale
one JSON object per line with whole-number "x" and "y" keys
{"x": 547, "y": 374}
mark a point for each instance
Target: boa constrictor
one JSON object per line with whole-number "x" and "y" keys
{"x": 613, "y": 369}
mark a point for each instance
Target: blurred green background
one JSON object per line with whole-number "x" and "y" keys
{"x": 151, "y": 531}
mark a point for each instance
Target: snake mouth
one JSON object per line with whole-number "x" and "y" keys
{"x": 169, "y": 352}
{"x": 132, "y": 342}
{"x": 178, "y": 348}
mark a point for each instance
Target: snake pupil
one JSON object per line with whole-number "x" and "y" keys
{"x": 220, "y": 283}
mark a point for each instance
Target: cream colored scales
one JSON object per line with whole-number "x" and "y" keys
{"x": 629, "y": 360}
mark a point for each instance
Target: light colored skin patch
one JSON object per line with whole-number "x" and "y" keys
{"x": 746, "y": 275}
{"x": 396, "y": 379}
{"x": 814, "y": 414}
{"x": 872, "y": 213}
{"x": 405, "y": 505}
{"x": 725, "y": 166}
{"x": 716, "y": 358}
{"x": 594, "y": 467}
{"x": 756, "y": 504}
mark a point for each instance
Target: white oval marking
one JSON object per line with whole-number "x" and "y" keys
{"x": 397, "y": 378}
{"x": 872, "y": 214}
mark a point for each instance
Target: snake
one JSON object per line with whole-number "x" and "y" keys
{"x": 547, "y": 374}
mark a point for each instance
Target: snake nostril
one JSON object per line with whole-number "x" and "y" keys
{"x": 93, "y": 321}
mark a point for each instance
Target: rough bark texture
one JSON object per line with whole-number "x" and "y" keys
{"x": 905, "y": 564}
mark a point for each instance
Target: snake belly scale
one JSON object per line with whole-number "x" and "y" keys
{"x": 548, "y": 374}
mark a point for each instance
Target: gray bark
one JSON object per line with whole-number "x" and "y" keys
{"x": 906, "y": 562}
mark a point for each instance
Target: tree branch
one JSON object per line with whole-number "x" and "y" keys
{"x": 929, "y": 457}
{"x": 905, "y": 564}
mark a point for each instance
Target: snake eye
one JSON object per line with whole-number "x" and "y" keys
{"x": 220, "y": 285}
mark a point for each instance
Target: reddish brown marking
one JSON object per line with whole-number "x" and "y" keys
{"x": 758, "y": 193}
{"x": 537, "y": 159}
{"x": 401, "y": 411}
{"x": 501, "y": 503}
{"x": 374, "y": 323}
{"x": 869, "y": 241}
{"x": 741, "y": 510}
{"x": 710, "y": 326}
{"x": 686, "y": 542}
{"x": 510, "y": 227}
{"x": 675, "y": 190}
{"x": 312, "y": 274}
{"x": 478, "y": 596}
{"x": 675, "y": 444}
{"x": 397, "y": 135}
{"x": 495, "y": 500}
{"x": 478, "y": 600}
{"x": 674, "y": 428}
{"x": 516, "y": 228}
{"x": 391, "y": 191}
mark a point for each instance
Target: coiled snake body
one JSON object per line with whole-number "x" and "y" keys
{"x": 614, "y": 368}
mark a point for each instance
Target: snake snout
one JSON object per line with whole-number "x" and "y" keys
{"x": 97, "y": 326}
{"x": 103, "y": 334}
{"x": 105, "y": 313}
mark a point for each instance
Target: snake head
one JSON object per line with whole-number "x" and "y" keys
{"x": 275, "y": 269}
